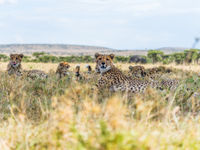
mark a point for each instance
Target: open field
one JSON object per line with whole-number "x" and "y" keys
{"x": 52, "y": 66}
{"x": 69, "y": 114}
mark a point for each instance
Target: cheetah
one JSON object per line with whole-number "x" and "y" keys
{"x": 90, "y": 75}
{"x": 97, "y": 71}
{"x": 171, "y": 84}
{"x": 137, "y": 71}
{"x": 36, "y": 74}
{"x": 62, "y": 69}
{"x": 159, "y": 74}
{"x": 151, "y": 73}
{"x": 77, "y": 73}
{"x": 114, "y": 80}
{"x": 15, "y": 68}
{"x": 85, "y": 77}
{"x": 89, "y": 68}
{"x": 156, "y": 72}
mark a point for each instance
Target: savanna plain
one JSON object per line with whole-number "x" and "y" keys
{"x": 67, "y": 114}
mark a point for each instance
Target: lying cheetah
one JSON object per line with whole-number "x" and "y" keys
{"x": 36, "y": 74}
{"x": 151, "y": 73}
{"x": 113, "y": 79}
{"x": 155, "y": 74}
{"x": 137, "y": 71}
{"x": 171, "y": 84}
{"x": 63, "y": 69}
{"x": 15, "y": 68}
{"x": 159, "y": 74}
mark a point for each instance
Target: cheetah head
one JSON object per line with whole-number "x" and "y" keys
{"x": 104, "y": 62}
{"x": 15, "y": 59}
{"x": 64, "y": 66}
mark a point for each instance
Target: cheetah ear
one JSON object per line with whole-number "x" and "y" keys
{"x": 65, "y": 64}
{"x": 112, "y": 56}
{"x": 97, "y": 55}
{"x": 11, "y": 55}
{"x": 21, "y": 55}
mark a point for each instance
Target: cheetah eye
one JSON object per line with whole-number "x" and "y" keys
{"x": 99, "y": 58}
{"x": 107, "y": 59}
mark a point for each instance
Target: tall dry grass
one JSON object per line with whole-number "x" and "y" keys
{"x": 123, "y": 66}
{"x": 70, "y": 114}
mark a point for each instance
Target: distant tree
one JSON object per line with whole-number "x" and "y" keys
{"x": 198, "y": 57}
{"x": 179, "y": 58}
{"x": 27, "y": 59}
{"x": 121, "y": 59}
{"x": 88, "y": 59}
{"x": 167, "y": 59}
{"x": 4, "y": 57}
{"x": 48, "y": 58}
{"x": 155, "y": 55}
{"x": 38, "y": 54}
{"x": 61, "y": 58}
{"x": 191, "y": 56}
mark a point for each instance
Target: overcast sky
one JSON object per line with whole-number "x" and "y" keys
{"x": 121, "y": 24}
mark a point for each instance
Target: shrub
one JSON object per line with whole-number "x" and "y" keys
{"x": 4, "y": 57}
{"x": 155, "y": 55}
{"x": 122, "y": 59}
{"x": 179, "y": 58}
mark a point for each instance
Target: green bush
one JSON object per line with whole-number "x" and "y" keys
{"x": 179, "y": 58}
{"x": 38, "y": 54}
{"x": 191, "y": 55}
{"x": 155, "y": 55}
{"x": 4, "y": 57}
{"x": 27, "y": 59}
{"x": 167, "y": 59}
{"x": 122, "y": 59}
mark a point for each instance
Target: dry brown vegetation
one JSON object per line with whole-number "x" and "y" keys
{"x": 123, "y": 66}
{"x": 70, "y": 114}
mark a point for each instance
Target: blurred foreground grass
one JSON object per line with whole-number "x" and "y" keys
{"x": 66, "y": 114}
